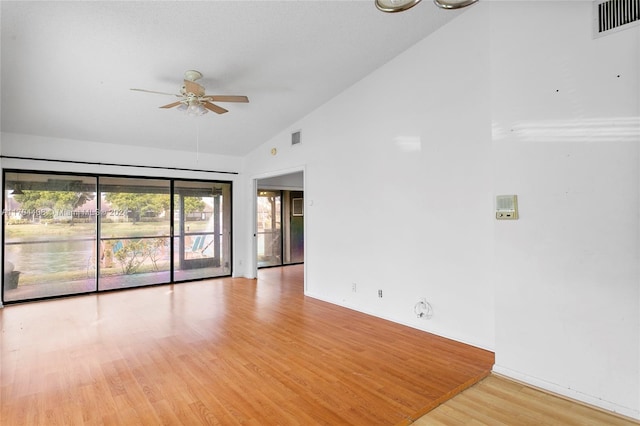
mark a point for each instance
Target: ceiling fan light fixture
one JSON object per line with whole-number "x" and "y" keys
{"x": 196, "y": 109}
{"x": 392, "y": 6}
{"x": 453, "y": 4}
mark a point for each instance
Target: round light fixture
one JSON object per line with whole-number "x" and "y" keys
{"x": 400, "y": 5}
{"x": 195, "y": 108}
{"x": 453, "y": 4}
{"x": 395, "y": 5}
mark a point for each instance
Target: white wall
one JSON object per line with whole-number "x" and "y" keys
{"x": 566, "y": 141}
{"x": 398, "y": 187}
{"x": 291, "y": 182}
{"x": 1, "y": 185}
{"x": 82, "y": 151}
{"x": 402, "y": 168}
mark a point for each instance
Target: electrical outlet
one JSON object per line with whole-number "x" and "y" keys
{"x": 353, "y": 287}
{"x": 379, "y": 293}
{"x": 423, "y": 309}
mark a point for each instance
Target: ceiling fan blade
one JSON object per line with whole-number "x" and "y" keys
{"x": 193, "y": 87}
{"x": 157, "y": 93}
{"x": 228, "y": 98}
{"x": 214, "y": 108}
{"x": 171, "y": 105}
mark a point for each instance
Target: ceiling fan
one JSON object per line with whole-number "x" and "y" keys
{"x": 193, "y": 99}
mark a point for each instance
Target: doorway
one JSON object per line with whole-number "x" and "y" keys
{"x": 280, "y": 221}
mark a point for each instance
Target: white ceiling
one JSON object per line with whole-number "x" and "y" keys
{"x": 67, "y": 67}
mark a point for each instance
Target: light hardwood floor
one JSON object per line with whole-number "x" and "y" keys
{"x": 236, "y": 351}
{"x": 223, "y": 351}
{"x": 498, "y": 401}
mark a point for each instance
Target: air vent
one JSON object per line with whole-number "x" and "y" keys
{"x": 615, "y": 15}
{"x": 295, "y": 137}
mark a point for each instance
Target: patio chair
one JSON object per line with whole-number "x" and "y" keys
{"x": 196, "y": 247}
{"x": 117, "y": 246}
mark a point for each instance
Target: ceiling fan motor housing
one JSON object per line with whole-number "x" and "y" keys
{"x": 192, "y": 75}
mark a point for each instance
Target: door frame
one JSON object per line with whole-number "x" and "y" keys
{"x": 253, "y": 271}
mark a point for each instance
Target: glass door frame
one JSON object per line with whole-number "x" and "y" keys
{"x": 278, "y": 230}
{"x": 226, "y": 240}
{"x": 134, "y": 249}
{"x": 221, "y": 226}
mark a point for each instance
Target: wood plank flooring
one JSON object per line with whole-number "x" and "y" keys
{"x": 224, "y": 352}
{"x": 498, "y": 401}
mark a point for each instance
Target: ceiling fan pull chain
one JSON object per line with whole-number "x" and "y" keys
{"x": 197, "y": 141}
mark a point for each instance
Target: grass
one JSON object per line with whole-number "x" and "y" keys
{"x": 79, "y": 275}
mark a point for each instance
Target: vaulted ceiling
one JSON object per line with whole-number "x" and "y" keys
{"x": 67, "y": 67}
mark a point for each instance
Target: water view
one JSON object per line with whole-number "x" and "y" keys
{"x": 46, "y": 257}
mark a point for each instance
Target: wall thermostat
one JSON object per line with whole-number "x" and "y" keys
{"x": 506, "y": 207}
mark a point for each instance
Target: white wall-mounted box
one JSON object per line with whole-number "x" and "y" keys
{"x": 506, "y": 207}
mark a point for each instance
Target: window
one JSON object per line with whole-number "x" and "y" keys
{"x": 68, "y": 234}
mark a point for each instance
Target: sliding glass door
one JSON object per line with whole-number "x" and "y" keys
{"x": 269, "y": 228}
{"x": 49, "y": 235}
{"x": 202, "y": 229}
{"x": 134, "y": 232}
{"x": 68, "y": 234}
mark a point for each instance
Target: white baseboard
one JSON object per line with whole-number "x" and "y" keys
{"x": 568, "y": 393}
{"x": 394, "y": 320}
